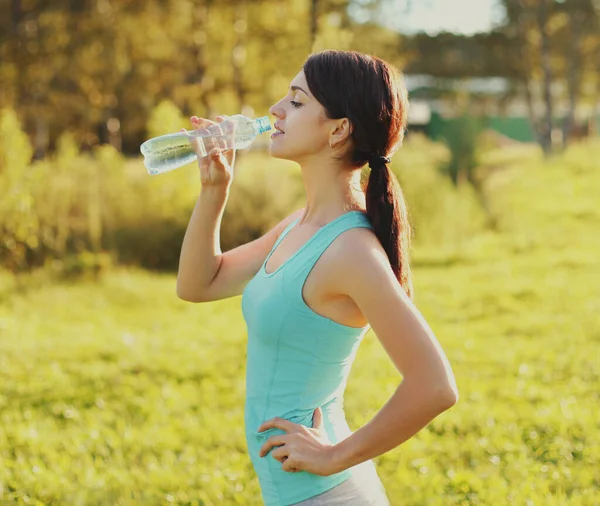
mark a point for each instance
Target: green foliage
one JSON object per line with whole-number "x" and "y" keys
{"x": 440, "y": 212}
{"x": 15, "y": 148}
{"x": 264, "y": 191}
{"x": 82, "y": 66}
{"x": 54, "y": 208}
{"x": 116, "y": 392}
{"x": 76, "y": 65}
{"x": 101, "y": 202}
{"x": 18, "y": 223}
{"x": 461, "y": 135}
{"x": 553, "y": 204}
{"x": 165, "y": 118}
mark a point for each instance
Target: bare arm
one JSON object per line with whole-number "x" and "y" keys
{"x": 205, "y": 273}
{"x": 200, "y": 256}
{"x": 428, "y": 387}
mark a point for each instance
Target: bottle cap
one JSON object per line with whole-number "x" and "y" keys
{"x": 263, "y": 124}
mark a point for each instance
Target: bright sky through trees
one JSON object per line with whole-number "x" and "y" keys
{"x": 434, "y": 16}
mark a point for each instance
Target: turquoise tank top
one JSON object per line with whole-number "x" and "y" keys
{"x": 297, "y": 360}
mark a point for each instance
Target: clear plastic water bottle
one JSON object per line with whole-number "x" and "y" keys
{"x": 171, "y": 151}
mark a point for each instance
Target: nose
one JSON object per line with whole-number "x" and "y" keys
{"x": 276, "y": 110}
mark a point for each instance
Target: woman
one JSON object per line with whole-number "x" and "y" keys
{"x": 313, "y": 285}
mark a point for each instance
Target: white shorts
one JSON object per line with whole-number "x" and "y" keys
{"x": 364, "y": 488}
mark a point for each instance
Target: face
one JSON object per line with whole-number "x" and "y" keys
{"x": 304, "y": 130}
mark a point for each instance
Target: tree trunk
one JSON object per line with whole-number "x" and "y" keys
{"x": 573, "y": 58}
{"x": 546, "y": 130}
{"x": 238, "y": 55}
{"x": 41, "y": 138}
{"x": 533, "y": 120}
{"x": 198, "y": 59}
{"x": 313, "y": 22}
{"x": 524, "y": 67}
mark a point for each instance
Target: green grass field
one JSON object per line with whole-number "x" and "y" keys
{"x": 116, "y": 393}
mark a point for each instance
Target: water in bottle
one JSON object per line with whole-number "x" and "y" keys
{"x": 171, "y": 151}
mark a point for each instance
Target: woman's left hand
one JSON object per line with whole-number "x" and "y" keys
{"x": 302, "y": 448}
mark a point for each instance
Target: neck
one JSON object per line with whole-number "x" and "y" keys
{"x": 332, "y": 189}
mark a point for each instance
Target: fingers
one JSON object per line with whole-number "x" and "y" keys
{"x": 280, "y": 454}
{"x": 216, "y": 146}
{"x": 221, "y": 141}
{"x": 270, "y": 443}
{"x": 278, "y": 423}
{"x": 200, "y": 122}
{"x": 229, "y": 155}
{"x": 289, "y": 466}
{"x": 215, "y": 154}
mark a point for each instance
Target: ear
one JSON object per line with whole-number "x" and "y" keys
{"x": 340, "y": 133}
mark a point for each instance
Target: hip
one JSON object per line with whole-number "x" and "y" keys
{"x": 363, "y": 488}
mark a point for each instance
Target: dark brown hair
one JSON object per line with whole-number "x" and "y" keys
{"x": 371, "y": 94}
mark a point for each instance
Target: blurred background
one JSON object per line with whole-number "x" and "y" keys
{"x": 113, "y": 391}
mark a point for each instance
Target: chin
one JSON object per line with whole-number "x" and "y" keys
{"x": 274, "y": 152}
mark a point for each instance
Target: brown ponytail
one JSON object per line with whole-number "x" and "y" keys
{"x": 388, "y": 214}
{"x": 371, "y": 94}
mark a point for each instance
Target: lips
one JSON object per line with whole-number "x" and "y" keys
{"x": 278, "y": 131}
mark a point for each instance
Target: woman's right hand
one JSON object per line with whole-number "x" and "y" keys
{"x": 216, "y": 169}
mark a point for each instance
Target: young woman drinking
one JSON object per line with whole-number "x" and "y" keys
{"x": 313, "y": 285}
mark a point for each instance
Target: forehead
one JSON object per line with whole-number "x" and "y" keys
{"x": 299, "y": 79}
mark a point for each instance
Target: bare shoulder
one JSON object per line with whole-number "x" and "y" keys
{"x": 361, "y": 264}
{"x": 291, "y": 217}
{"x": 362, "y": 271}
{"x": 360, "y": 248}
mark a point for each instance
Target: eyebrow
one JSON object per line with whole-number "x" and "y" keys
{"x": 294, "y": 88}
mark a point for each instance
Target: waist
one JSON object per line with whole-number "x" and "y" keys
{"x": 282, "y": 386}
{"x": 278, "y": 486}
{"x": 334, "y": 419}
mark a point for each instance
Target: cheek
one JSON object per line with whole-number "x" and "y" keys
{"x": 304, "y": 124}
{"x": 311, "y": 133}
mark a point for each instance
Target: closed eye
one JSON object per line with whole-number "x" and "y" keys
{"x": 295, "y": 104}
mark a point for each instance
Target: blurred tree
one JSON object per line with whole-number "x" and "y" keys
{"x": 578, "y": 41}
{"x": 238, "y": 54}
{"x": 461, "y": 135}
{"x": 18, "y": 224}
{"x": 98, "y": 67}
{"x": 546, "y": 34}
{"x": 165, "y": 118}
{"x": 546, "y": 124}
{"x": 455, "y": 56}
{"x": 313, "y": 21}
{"x": 541, "y": 43}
